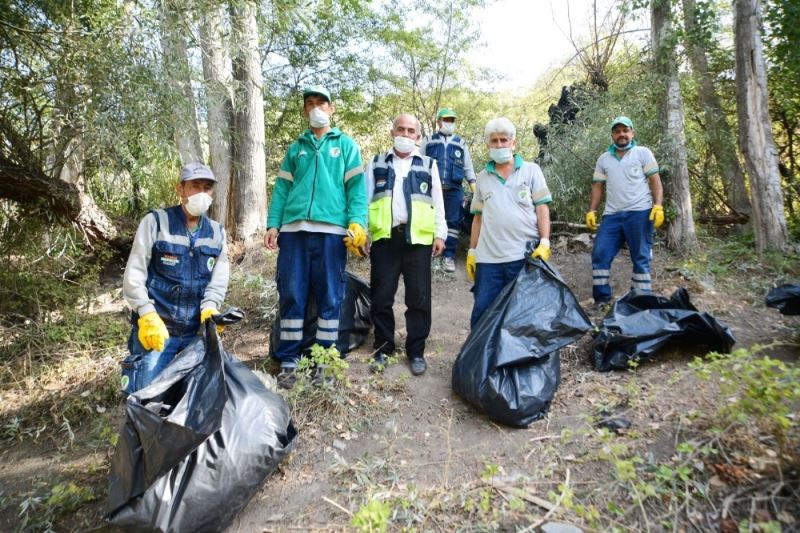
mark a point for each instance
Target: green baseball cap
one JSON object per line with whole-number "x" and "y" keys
{"x": 625, "y": 121}
{"x": 318, "y": 90}
{"x": 446, "y": 112}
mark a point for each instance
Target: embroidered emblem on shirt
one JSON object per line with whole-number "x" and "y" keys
{"x": 169, "y": 260}
{"x": 211, "y": 262}
{"x": 335, "y": 151}
{"x": 523, "y": 195}
{"x": 302, "y": 153}
{"x": 423, "y": 187}
{"x": 457, "y": 153}
{"x": 634, "y": 172}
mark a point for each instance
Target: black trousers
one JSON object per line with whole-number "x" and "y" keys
{"x": 390, "y": 258}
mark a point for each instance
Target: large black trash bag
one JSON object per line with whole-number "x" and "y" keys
{"x": 785, "y": 298}
{"x": 639, "y": 324}
{"x": 354, "y": 319}
{"x": 197, "y": 444}
{"x": 509, "y": 366}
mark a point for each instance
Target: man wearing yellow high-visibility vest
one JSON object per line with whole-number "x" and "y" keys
{"x": 406, "y": 226}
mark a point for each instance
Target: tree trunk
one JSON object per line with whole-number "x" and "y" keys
{"x": 720, "y": 136}
{"x": 680, "y": 233}
{"x": 755, "y": 129}
{"x": 178, "y": 74}
{"x": 217, "y": 73}
{"x": 250, "y": 204}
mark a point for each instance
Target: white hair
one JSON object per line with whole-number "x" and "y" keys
{"x": 499, "y": 125}
{"x": 408, "y": 115}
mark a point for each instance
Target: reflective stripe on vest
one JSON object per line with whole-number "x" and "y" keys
{"x": 418, "y": 190}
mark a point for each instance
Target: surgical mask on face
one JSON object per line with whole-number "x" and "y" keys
{"x": 448, "y": 128}
{"x": 403, "y": 145}
{"x": 501, "y": 155}
{"x": 318, "y": 118}
{"x": 198, "y": 204}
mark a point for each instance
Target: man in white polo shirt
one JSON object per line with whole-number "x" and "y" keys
{"x": 634, "y": 195}
{"x": 510, "y": 208}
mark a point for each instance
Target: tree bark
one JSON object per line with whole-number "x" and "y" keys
{"x": 755, "y": 129}
{"x": 219, "y": 100}
{"x": 178, "y": 75}
{"x": 681, "y": 235}
{"x": 720, "y": 136}
{"x": 250, "y": 205}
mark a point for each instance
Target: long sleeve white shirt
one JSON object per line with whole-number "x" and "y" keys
{"x": 399, "y": 209}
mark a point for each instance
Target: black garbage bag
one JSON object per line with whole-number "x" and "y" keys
{"x": 354, "y": 319}
{"x": 785, "y": 298}
{"x": 197, "y": 444}
{"x": 639, "y": 324}
{"x": 509, "y": 366}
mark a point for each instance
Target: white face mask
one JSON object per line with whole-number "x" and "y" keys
{"x": 318, "y": 118}
{"x": 403, "y": 145}
{"x": 198, "y": 204}
{"x": 501, "y": 155}
{"x": 448, "y": 128}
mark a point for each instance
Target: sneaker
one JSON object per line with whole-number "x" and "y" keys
{"x": 418, "y": 366}
{"x": 449, "y": 264}
{"x": 287, "y": 377}
{"x": 321, "y": 378}
{"x": 378, "y": 363}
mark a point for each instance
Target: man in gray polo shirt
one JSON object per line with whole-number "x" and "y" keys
{"x": 629, "y": 175}
{"x": 510, "y": 208}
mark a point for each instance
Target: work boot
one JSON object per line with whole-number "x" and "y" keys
{"x": 418, "y": 365}
{"x": 321, "y": 377}
{"x": 449, "y": 264}
{"x": 287, "y": 377}
{"x": 378, "y": 363}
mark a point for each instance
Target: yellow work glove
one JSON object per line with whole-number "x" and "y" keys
{"x": 542, "y": 251}
{"x": 591, "y": 221}
{"x": 472, "y": 187}
{"x": 355, "y": 240}
{"x": 472, "y": 266}
{"x": 657, "y": 216}
{"x": 152, "y": 332}
{"x": 207, "y": 313}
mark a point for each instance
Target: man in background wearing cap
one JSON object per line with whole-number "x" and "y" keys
{"x": 633, "y": 208}
{"x": 452, "y": 157}
{"x": 318, "y": 211}
{"x": 175, "y": 279}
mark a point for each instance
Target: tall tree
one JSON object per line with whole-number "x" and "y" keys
{"x": 717, "y": 130}
{"x": 755, "y": 129}
{"x": 219, "y": 101}
{"x": 250, "y": 204}
{"x": 680, "y": 234}
{"x": 178, "y": 74}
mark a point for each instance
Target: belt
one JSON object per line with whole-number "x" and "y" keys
{"x": 400, "y": 228}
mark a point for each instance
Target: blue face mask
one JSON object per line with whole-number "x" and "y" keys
{"x": 624, "y": 147}
{"x": 501, "y": 155}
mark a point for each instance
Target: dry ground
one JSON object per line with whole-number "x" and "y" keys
{"x": 411, "y": 441}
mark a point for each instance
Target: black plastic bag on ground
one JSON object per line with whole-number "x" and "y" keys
{"x": 197, "y": 443}
{"x": 354, "y": 319}
{"x": 638, "y": 325}
{"x": 509, "y": 366}
{"x": 785, "y": 298}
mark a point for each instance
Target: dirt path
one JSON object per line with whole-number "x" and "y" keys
{"x": 427, "y": 440}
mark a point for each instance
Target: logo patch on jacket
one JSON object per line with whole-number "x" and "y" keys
{"x": 211, "y": 262}
{"x": 170, "y": 260}
{"x": 335, "y": 151}
{"x": 302, "y": 153}
{"x": 423, "y": 187}
{"x": 457, "y": 153}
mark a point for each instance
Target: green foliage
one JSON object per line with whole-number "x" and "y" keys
{"x": 757, "y": 390}
{"x": 372, "y": 517}
{"x": 37, "y": 513}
